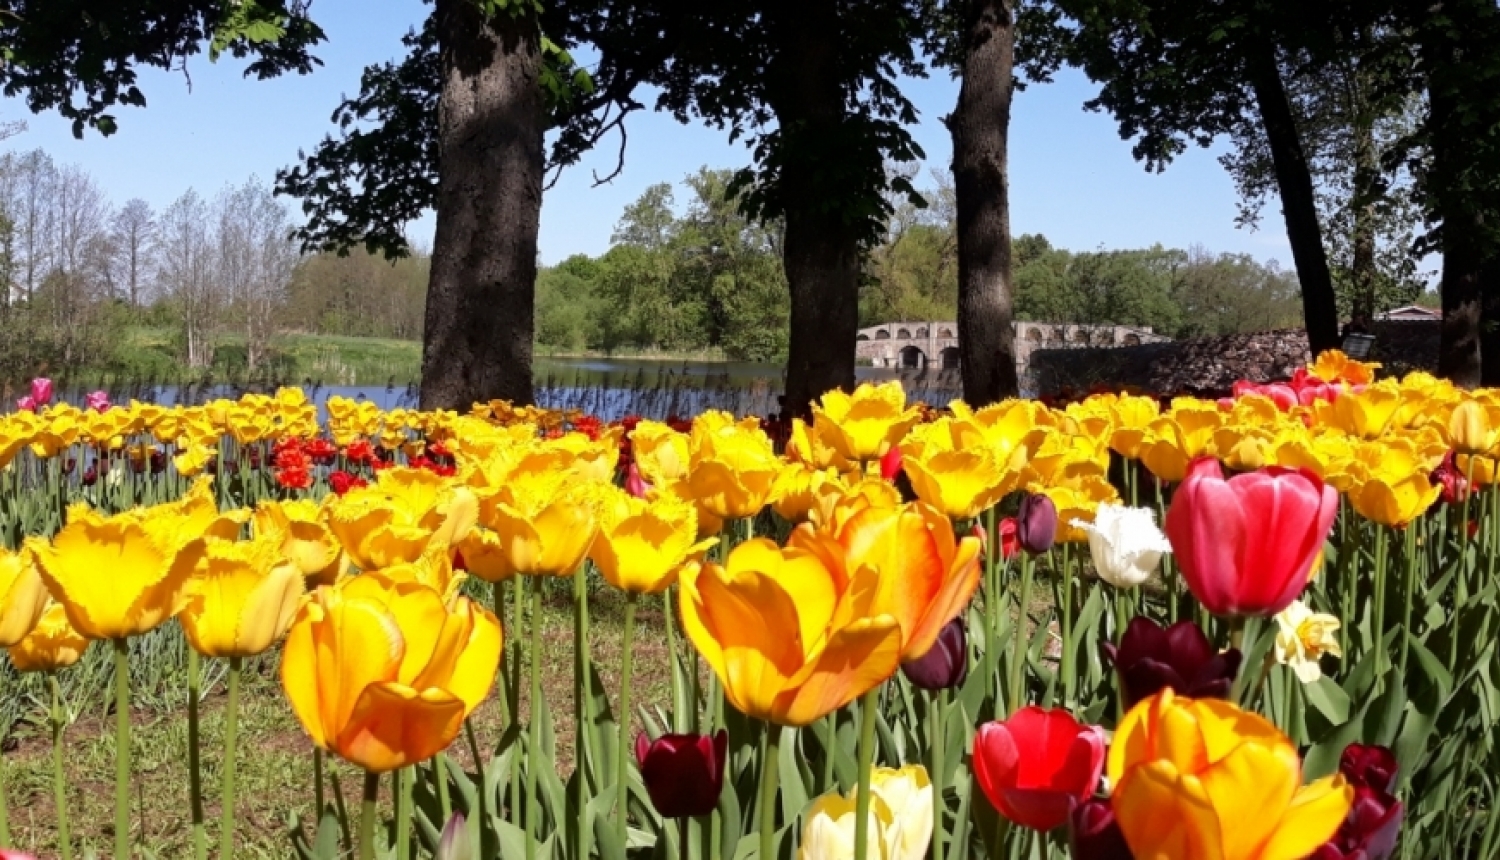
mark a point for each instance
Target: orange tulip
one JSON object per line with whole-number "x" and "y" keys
{"x": 781, "y": 629}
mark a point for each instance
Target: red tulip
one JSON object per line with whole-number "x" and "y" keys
{"x": 1038, "y": 765}
{"x": 1247, "y": 545}
{"x": 683, "y": 773}
{"x": 890, "y": 464}
{"x": 1010, "y": 542}
{"x": 41, "y": 391}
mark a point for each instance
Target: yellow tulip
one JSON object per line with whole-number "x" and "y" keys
{"x": 433, "y": 570}
{"x": 305, "y": 538}
{"x": 483, "y": 556}
{"x": 660, "y": 452}
{"x": 864, "y": 425}
{"x": 1334, "y": 366}
{"x": 397, "y": 518}
{"x": 14, "y": 435}
{"x": 384, "y": 674}
{"x": 241, "y": 598}
{"x": 1132, "y": 416}
{"x": 1325, "y": 452}
{"x": 114, "y": 577}
{"x": 925, "y": 577}
{"x": 960, "y": 482}
{"x": 23, "y": 597}
{"x": 642, "y": 544}
{"x": 900, "y": 825}
{"x": 544, "y": 520}
{"x": 795, "y": 493}
{"x": 836, "y": 501}
{"x": 1474, "y": 427}
{"x": 732, "y": 465}
{"x": 51, "y": 645}
{"x": 1011, "y": 429}
{"x": 1245, "y": 447}
{"x": 780, "y": 629}
{"x": 709, "y": 523}
{"x": 194, "y": 515}
{"x": 1390, "y": 483}
{"x": 1079, "y": 500}
{"x": 1203, "y": 779}
{"x": 810, "y": 447}
{"x": 1367, "y": 414}
{"x": 1176, "y": 439}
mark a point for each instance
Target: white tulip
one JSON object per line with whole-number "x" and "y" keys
{"x": 900, "y": 819}
{"x": 1125, "y": 544}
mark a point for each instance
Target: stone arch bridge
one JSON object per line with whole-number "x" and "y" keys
{"x": 931, "y": 344}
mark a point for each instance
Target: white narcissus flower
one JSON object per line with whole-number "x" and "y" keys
{"x": 1125, "y": 544}
{"x": 1303, "y": 636}
{"x": 900, "y": 819}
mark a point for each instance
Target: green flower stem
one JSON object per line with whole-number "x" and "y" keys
{"x": 621, "y": 797}
{"x": 440, "y": 772}
{"x": 1382, "y": 660}
{"x": 483, "y": 793}
{"x": 533, "y": 748}
{"x": 318, "y": 780}
{"x": 868, "y": 704}
{"x": 517, "y": 624}
{"x": 581, "y": 698}
{"x": 768, "y": 792}
{"x": 502, "y": 690}
{"x": 367, "y": 816}
{"x": 195, "y": 760}
{"x": 1067, "y": 625}
{"x": 403, "y": 777}
{"x": 938, "y": 712}
{"x": 59, "y": 782}
{"x": 1018, "y": 655}
{"x": 832, "y": 722}
{"x": 122, "y": 749}
{"x": 667, "y": 610}
{"x": 231, "y": 744}
{"x": 1411, "y": 587}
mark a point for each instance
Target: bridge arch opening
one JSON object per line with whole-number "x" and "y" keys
{"x": 1034, "y": 334}
{"x": 948, "y": 358}
{"x": 1081, "y": 336}
{"x": 882, "y": 334}
{"x": 912, "y": 357}
{"x": 904, "y": 334}
{"x": 1132, "y": 340}
{"x": 922, "y": 332}
{"x": 863, "y": 337}
{"x": 945, "y": 332}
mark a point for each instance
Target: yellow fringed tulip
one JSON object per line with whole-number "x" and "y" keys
{"x": 809, "y": 446}
{"x": 864, "y": 425}
{"x": 960, "y": 482}
{"x": 397, "y": 518}
{"x": 733, "y": 467}
{"x": 660, "y": 452}
{"x": 1390, "y": 482}
{"x": 241, "y": 598}
{"x": 544, "y": 522}
{"x": 1473, "y": 427}
{"x": 795, "y": 494}
{"x": 305, "y": 538}
{"x": 1204, "y": 779}
{"x": 382, "y": 674}
{"x": 642, "y": 544}
{"x": 1078, "y": 500}
{"x": 781, "y": 630}
{"x": 51, "y": 645}
{"x": 114, "y": 578}
{"x": 23, "y": 597}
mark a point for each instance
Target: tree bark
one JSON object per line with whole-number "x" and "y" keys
{"x": 821, "y": 251}
{"x": 477, "y": 340}
{"x": 1366, "y": 177}
{"x": 1298, "y": 204}
{"x": 1464, "y": 250}
{"x": 980, "y": 126}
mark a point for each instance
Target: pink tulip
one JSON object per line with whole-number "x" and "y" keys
{"x": 26, "y": 404}
{"x": 41, "y": 391}
{"x": 1247, "y": 545}
{"x": 97, "y": 401}
{"x": 14, "y": 855}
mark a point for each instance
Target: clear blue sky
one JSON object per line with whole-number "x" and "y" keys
{"x": 1072, "y": 178}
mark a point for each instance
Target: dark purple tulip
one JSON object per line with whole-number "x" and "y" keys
{"x": 683, "y": 773}
{"x": 1036, "y": 523}
{"x": 946, "y": 663}
{"x": 1150, "y": 659}
{"x": 1370, "y": 830}
{"x": 1093, "y": 833}
{"x": 1371, "y": 766}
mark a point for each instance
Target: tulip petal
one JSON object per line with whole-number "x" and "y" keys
{"x": 472, "y": 676}
{"x": 1256, "y": 782}
{"x": 897, "y": 544}
{"x": 754, "y": 623}
{"x": 393, "y": 725}
{"x": 1164, "y": 814}
{"x": 335, "y": 649}
{"x": 1314, "y": 816}
{"x": 1208, "y": 529}
{"x": 857, "y": 659}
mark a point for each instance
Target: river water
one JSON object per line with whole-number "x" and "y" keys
{"x": 610, "y": 388}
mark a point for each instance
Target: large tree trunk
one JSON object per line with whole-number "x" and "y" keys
{"x": 478, "y": 335}
{"x": 980, "y": 126}
{"x": 1298, "y": 204}
{"x": 1489, "y": 322}
{"x": 822, "y": 252}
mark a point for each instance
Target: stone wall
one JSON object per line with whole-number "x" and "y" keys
{"x": 1209, "y": 367}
